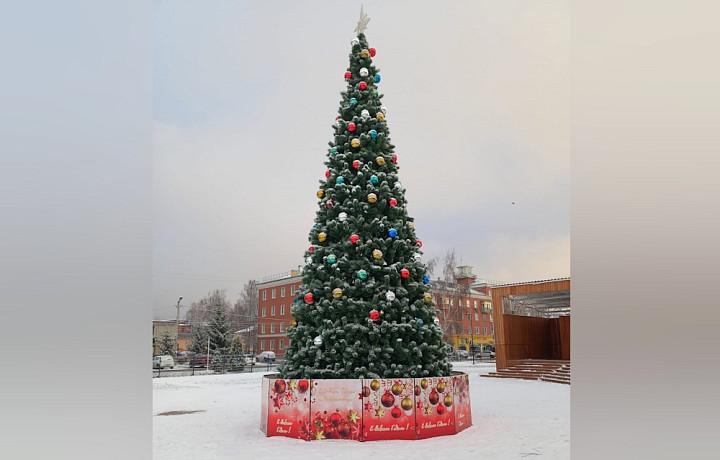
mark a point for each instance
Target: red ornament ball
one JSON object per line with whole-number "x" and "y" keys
{"x": 393, "y": 202}
{"x": 336, "y": 419}
{"x": 394, "y": 158}
{"x": 303, "y": 386}
{"x": 280, "y": 386}
{"x": 348, "y": 75}
{"x": 418, "y": 390}
{"x": 344, "y": 430}
{"x": 440, "y": 409}
{"x": 374, "y": 315}
{"x": 327, "y": 174}
{"x": 329, "y": 204}
{"x": 434, "y": 397}
{"x": 366, "y": 392}
{"x": 309, "y": 298}
{"x": 330, "y": 432}
{"x": 387, "y": 399}
{"x": 372, "y": 51}
{"x": 311, "y": 248}
{"x": 363, "y": 85}
{"x": 405, "y": 273}
{"x": 418, "y": 242}
{"x": 354, "y": 239}
{"x": 356, "y": 164}
{"x": 396, "y": 412}
{"x": 352, "y": 127}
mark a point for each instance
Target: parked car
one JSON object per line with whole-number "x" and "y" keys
{"x": 485, "y": 354}
{"x": 459, "y": 354}
{"x": 266, "y": 356}
{"x": 249, "y": 360}
{"x": 199, "y": 361}
{"x": 163, "y": 361}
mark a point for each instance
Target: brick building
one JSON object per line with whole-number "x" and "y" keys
{"x": 464, "y": 308}
{"x": 277, "y": 294}
{"x": 160, "y": 326}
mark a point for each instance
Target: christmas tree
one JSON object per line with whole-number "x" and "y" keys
{"x": 364, "y": 309}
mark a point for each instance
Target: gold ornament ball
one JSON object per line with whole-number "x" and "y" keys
{"x": 293, "y": 324}
{"x": 320, "y": 194}
{"x": 337, "y": 293}
{"x": 428, "y": 297}
{"x": 406, "y": 403}
{"x": 411, "y": 225}
{"x": 322, "y": 236}
{"x": 447, "y": 400}
{"x": 355, "y": 142}
{"x": 374, "y": 385}
{"x": 424, "y": 383}
{"x": 377, "y": 254}
{"x": 364, "y": 54}
{"x": 441, "y": 387}
{"x": 372, "y": 198}
{"x": 380, "y": 161}
{"x": 380, "y": 116}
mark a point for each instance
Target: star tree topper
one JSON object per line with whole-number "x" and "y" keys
{"x": 363, "y": 22}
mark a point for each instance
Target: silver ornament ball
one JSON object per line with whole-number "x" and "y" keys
{"x": 317, "y": 341}
{"x": 363, "y": 72}
{"x": 390, "y": 296}
{"x": 342, "y": 216}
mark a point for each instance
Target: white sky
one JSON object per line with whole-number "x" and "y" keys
{"x": 245, "y": 94}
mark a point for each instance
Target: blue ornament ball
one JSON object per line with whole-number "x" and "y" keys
{"x": 373, "y": 134}
{"x": 374, "y": 179}
{"x": 392, "y": 232}
{"x": 426, "y": 279}
{"x": 339, "y": 180}
{"x": 376, "y": 93}
{"x": 362, "y": 274}
{"x": 353, "y": 101}
{"x": 420, "y": 323}
{"x": 331, "y": 259}
{"x": 334, "y": 150}
{"x": 377, "y": 78}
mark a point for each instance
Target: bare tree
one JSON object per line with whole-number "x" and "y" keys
{"x": 244, "y": 315}
{"x": 448, "y": 295}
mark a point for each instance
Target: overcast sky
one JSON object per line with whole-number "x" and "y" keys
{"x": 245, "y": 94}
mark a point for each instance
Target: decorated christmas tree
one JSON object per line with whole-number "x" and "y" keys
{"x": 364, "y": 309}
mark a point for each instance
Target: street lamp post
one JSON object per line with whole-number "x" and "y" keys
{"x": 177, "y": 323}
{"x": 472, "y": 338}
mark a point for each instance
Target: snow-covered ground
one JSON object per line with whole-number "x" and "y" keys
{"x": 512, "y": 419}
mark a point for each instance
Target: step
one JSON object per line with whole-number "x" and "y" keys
{"x": 549, "y": 379}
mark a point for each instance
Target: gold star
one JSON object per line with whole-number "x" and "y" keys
{"x": 363, "y": 22}
{"x": 293, "y": 384}
{"x": 428, "y": 410}
{"x": 380, "y": 412}
{"x": 319, "y": 436}
{"x": 353, "y": 416}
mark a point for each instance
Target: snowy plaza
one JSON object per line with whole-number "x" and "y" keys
{"x": 512, "y": 419}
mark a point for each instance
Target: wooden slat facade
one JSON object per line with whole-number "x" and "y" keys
{"x": 523, "y": 337}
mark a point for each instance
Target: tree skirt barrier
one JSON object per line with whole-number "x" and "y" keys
{"x": 365, "y": 409}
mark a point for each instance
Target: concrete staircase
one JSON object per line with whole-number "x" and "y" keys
{"x": 548, "y": 370}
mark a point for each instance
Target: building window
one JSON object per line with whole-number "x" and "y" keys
{"x": 274, "y": 293}
{"x": 477, "y": 329}
{"x": 476, "y": 316}
{"x": 491, "y": 317}
{"x": 474, "y": 303}
{"x": 452, "y": 328}
{"x": 272, "y": 310}
{"x": 292, "y": 289}
{"x": 264, "y": 294}
{"x": 484, "y": 317}
{"x": 272, "y": 344}
{"x": 282, "y": 310}
{"x": 282, "y": 291}
{"x": 282, "y": 327}
{"x": 262, "y": 344}
{"x": 264, "y": 312}
{"x": 485, "y": 330}
{"x": 281, "y": 345}
{"x": 467, "y": 303}
{"x": 272, "y": 328}
{"x": 262, "y": 328}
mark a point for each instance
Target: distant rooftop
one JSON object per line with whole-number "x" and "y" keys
{"x": 533, "y": 282}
